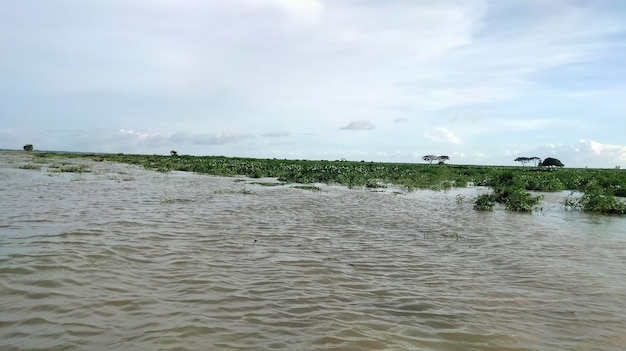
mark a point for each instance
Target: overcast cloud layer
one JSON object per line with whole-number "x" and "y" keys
{"x": 481, "y": 81}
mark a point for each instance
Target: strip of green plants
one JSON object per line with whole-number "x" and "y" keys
{"x": 308, "y": 187}
{"x": 596, "y": 199}
{"x": 68, "y": 168}
{"x": 513, "y": 198}
{"x": 31, "y": 166}
{"x": 510, "y": 183}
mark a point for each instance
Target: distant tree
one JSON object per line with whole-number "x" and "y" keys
{"x": 430, "y": 158}
{"x": 28, "y": 147}
{"x": 443, "y": 159}
{"x": 551, "y": 162}
{"x": 523, "y": 160}
{"x": 173, "y": 153}
{"x": 536, "y": 160}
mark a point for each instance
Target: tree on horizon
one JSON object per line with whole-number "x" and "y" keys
{"x": 525, "y": 160}
{"x": 522, "y": 160}
{"x": 551, "y": 162}
{"x": 430, "y": 158}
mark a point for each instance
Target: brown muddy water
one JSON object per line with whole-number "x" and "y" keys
{"x": 127, "y": 259}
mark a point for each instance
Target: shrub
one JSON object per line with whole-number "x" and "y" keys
{"x": 596, "y": 199}
{"x": 514, "y": 198}
{"x": 517, "y": 199}
{"x": 483, "y": 203}
{"x": 30, "y": 166}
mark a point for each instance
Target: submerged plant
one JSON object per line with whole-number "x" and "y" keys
{"x": 483, "y": 203}
{"x": 406, "y": 176}
{"x": 68, "y": 168}
{"x": 267, "y": 184}
{"x": 31, "y": 166}
{"x": 596, "y": 199}
{"x": 514, "y": 198}
{"x": 307, "y": 187}
{"x": 234, "y": 191}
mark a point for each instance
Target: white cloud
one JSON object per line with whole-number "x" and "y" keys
{"x": 400, "y": 120}
{"x": 190, "y": 68}
{"x": 359, "y": 125}
{"x": 279, "y": 134}
{"x": 210, "y": 139}
{"x": 138, "y": 135}
{"x": 606, "y": 152}
{"x": 585, "y": 153}
{"x": 444, "y": 134}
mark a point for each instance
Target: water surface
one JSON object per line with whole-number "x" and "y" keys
{"x": 127, "y": 259}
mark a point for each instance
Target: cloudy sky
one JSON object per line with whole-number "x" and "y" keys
{"x": 482, "y": 81}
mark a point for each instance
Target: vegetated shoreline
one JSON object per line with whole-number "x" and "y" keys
{"x": 601, "y": 188}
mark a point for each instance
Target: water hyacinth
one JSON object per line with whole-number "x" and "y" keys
{"x": 510, "y": 184}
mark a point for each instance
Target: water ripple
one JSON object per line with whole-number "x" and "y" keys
{"x": 178, "y": 261}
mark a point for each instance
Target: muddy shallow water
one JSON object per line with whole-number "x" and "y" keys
{"x": 121, "y": 258}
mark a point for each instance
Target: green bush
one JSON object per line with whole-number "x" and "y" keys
{"x": 30, "y": 166}
{"x": 597, "y": 199}
{"x": 515, "y": 198}
{"x": 483, "y": 203}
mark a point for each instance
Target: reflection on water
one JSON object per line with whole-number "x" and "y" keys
{"x": 127, "y": 259}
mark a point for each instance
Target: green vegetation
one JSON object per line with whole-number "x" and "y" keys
{"x": 267, "y": 184}
{"x": 483, "y": 203}
{"x": 515, "y": 198}
{"x": 68, "y": 168}
{"x": 525, "y": 160}
{"x": 551, "y": 162}
{"x": 307, "y": 187}
{"x": 509, "y": 190}
{"x": 31, "y": 166}
{"x": 234, "y": 191}
{"x": 596, "y": 199}
{"x": 510, "y": 184}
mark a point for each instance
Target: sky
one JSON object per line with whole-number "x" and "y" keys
{"x": 481, "y": 81}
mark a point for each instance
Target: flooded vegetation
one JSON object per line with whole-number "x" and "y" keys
{"x": 284, "y": 255}
{"x": 602, "y": 189}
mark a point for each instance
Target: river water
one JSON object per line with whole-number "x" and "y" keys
{"x": 122, "y": 258}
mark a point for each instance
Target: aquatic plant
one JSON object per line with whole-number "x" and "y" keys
{"x": 68, "y": 168}
{"x": 234, "y": 191}
{"x": 596, "y": 199}
{"x": 408, "y": 176}
{"x": 510, "y": 194}
{"x": 483, "y": 203}
{"x": 515, "y": 198}
{"x": 30, "y": 166}
{"x": 94, "y": 157}
{"x": 267, "y": 184}
{"x": 307, "y": 187}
